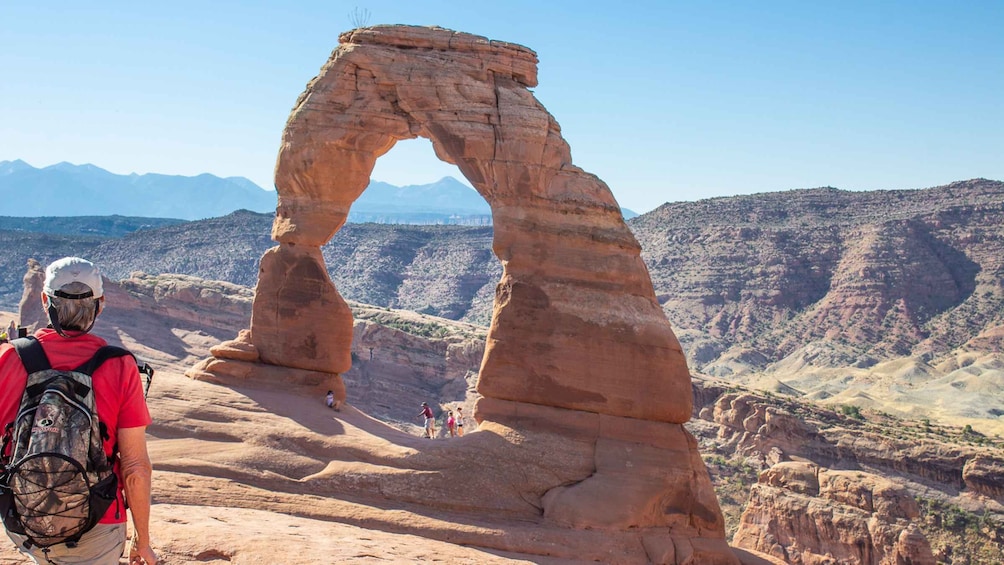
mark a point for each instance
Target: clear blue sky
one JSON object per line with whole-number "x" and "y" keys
{"x": 663, "y": 100}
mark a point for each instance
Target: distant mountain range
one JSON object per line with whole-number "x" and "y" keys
{"x": 65, "y": 189}
{"x": 446, "y": 201}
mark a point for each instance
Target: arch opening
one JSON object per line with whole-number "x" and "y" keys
{"x": 414, "y": 261}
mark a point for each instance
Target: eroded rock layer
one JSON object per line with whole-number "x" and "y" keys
{"x": 804, "y": 514}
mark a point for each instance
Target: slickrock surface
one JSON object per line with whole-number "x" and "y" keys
{"x": 804, "y": 514}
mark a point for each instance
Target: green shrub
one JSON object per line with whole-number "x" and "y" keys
{"x": 851, "y": 411}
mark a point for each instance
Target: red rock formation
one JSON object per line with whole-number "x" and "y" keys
{"x": 578, "y": 344}
{"x": 749, "y": 426}
{"x": 804, "y": 514}
{"x": 30, "y": 312}
{"x": 983, "y": 474}
{"x": 574, "y": 285}
{"x": 181, "y": 298}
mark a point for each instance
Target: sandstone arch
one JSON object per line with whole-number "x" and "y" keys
{"x": 578, "y": 342}
{"x": 576, "y": 323}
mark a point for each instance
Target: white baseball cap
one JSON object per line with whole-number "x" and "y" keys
{"x": 69, "y": 270}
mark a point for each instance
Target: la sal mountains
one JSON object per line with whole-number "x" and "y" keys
{"x": 65, "y": 189}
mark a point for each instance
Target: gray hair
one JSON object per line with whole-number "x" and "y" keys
{"x": 75, "y": 315}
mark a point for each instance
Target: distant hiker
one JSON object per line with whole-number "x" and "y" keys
{"x": 451, "y": 424}
{"x": 11, "y": 330}
{"x": 330, "y": 401}
{"x": 430, "y": 420}
{"x": 50, "y": 408}
{"x": 460, "y": 420}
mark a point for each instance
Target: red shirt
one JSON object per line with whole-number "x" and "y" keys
{"x": 118, "y": 391}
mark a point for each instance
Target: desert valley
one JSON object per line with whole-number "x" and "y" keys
{"x": 811, "y": 376}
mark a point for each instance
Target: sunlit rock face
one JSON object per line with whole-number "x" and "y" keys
{"x": 30, "y": 312}
{"x": 802, "y": 513}
{"x": 579, "y": 353}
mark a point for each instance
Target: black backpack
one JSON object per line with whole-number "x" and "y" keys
{"x": 57, "y": 482}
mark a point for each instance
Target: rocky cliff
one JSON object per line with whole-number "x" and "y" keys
{"x": 773, "y": 430}
{"x": 830, "y": 277}
{"x": 400, "y": 359}
{"x": 951, "y": 475}
{"x": 801, "y": 513}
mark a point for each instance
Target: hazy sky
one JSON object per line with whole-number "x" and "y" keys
{"x": 663, "y": 100}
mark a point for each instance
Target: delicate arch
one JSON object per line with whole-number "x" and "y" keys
{"x": 579, "y": 354}
{"x": 575, "y": 323}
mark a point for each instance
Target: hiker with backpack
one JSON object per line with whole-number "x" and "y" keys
{"x": 74, "y": 416}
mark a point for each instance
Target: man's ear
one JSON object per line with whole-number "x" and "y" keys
{"x": 101, "y": 306}
{"x": 45, "y": 300}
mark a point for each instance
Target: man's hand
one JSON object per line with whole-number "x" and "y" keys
{"x": 141, "y": 554}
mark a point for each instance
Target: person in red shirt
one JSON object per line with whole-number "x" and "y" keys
{"x": 430, "y": 421}
{"x": 73, "y": 296}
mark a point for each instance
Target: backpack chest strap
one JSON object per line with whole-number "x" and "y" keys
{"x": 32, "y": 355}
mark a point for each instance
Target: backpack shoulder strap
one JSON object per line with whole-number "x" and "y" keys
{"x": 32, "y": 355}
{"x": 100, "y": 356}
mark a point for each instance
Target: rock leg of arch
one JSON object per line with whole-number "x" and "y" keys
{"x": 578, "y": 347}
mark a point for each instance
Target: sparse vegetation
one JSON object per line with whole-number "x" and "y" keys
{"x": 430, "y": 330}
{"x": 733, "y": 478}
{"x": 851, "y": 411}
{"x": 960, "y": 536}
{"x": 973, "y": 436}
{"x": 421, "y": 326}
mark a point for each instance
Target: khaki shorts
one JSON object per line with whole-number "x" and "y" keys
{"x": 103, "y": 545}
